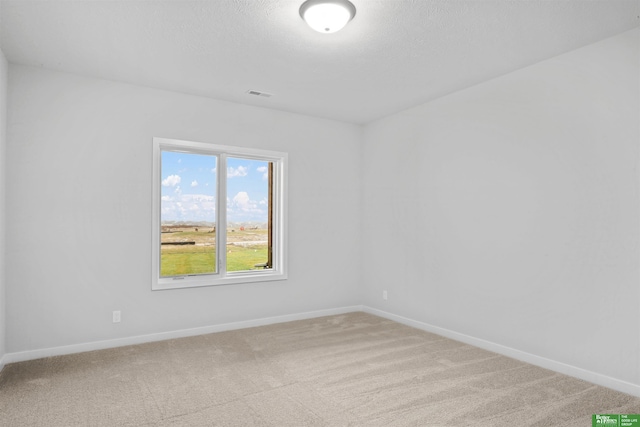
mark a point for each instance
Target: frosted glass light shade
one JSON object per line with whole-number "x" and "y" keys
{"x": 327, "y": 16}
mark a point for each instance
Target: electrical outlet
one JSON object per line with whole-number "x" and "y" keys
{"x": 384, "y": 295}
{"x": 116, "y": 316}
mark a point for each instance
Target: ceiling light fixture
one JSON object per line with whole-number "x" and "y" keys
{"x": 327, "y": 16}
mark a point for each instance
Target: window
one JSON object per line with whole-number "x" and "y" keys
{"x": 218, "y": 214}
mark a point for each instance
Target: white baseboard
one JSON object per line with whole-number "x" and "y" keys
{"x": 140, "y": 339}
{"x": 552, "y": 365}
{"x": 592, "y": 377}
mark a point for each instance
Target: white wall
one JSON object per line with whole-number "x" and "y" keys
{"x": 3, "y": 144}
{"x": 80, "y": 205}
{"x": 509, "y": 211}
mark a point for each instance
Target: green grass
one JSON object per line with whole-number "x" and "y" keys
{"x": 241, "y": 259}
{"x": 181, "y": 260}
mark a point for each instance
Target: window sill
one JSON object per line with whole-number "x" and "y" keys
{"x": 196, "y": 281}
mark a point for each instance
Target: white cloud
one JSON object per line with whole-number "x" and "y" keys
{"x": 172, "y": 211}
{"x": 265, "y": 172}
{"x": 194, "y": 183}
{"x": 200, "y": 198}
{"x": 189, "y": 207}
{"x": 235, "y": 172}
{"x": 171, "y": 181}
{"x": 242, "y": 208}
{"x": 242, "y": 201}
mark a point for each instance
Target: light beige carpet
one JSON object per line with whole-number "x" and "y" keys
{"x": 347, "y": 370}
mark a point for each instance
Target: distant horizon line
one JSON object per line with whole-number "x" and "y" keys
{"x": 187, "y": 222}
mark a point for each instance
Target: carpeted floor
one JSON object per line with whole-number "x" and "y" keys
{"x": 347, "y": 370}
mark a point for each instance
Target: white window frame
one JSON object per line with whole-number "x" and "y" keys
{"x": 278, "y": 270}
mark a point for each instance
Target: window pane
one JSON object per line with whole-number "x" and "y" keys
{"x": 248, "y": 218}
{"x": 187, "y": 214}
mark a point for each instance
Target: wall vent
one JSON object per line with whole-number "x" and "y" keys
{"x": 258, "y": 93}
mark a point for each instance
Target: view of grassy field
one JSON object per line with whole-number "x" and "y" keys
{"x": 191, "y": 250}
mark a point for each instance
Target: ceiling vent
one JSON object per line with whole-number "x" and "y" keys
{"x": 258, "y": 93}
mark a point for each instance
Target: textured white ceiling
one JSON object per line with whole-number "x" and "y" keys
{"x": 394, "y": 54}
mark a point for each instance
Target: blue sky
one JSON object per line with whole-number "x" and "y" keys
{"x": 189, "y": 186}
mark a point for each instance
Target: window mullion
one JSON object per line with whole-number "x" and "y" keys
{"x": 278, "y": 212}
{"x": 270, "y": 219}
{"x": 221, "y": 214}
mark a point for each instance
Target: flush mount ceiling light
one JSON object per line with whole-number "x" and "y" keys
{"x": 327, "y": 16}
